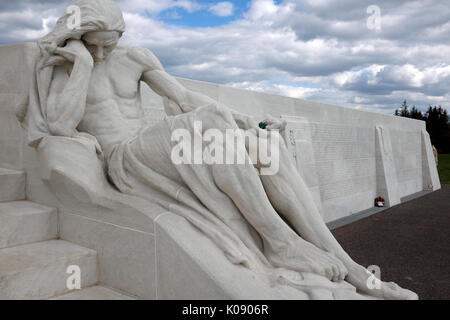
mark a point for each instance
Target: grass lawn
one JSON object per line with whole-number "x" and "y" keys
{"x": 444, "y": 168}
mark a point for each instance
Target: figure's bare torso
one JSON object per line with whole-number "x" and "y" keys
{"x": 113, "y": 106}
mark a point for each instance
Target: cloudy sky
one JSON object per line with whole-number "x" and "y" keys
{"x": 334, "y": 51}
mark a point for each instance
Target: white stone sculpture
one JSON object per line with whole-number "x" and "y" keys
{"x": 86, "y": 87}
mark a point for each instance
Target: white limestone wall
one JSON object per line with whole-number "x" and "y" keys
{"x": 338, "y": 152}
{"x": 13, "y": 86}
{"x": 124, "y": 240}
{"x": 407, "y": 147}
{"x": 15, "y": 68}
{"x": 333, "y": 147}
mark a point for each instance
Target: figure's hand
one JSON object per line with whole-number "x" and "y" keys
{"x": 75, "y": 50}
{"x": 91, "y": 139}
{"x": 272, "y": 123}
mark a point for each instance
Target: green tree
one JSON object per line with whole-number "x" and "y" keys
{"x": 437, "y": 124}
{"x": 438, "y": 127}
{"x": 416, "y": 114}
{"x": 404, "y": 112}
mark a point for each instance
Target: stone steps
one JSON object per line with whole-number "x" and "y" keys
{"x": 94, "y": 293}
{"x": 33, "y": 263}
{"x": 12, "y": 185}
{"x": 25, "y": 222}
{"x": 39, "y": 270}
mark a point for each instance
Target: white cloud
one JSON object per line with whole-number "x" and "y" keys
{"x": 262, "y": 9}
{"x": 222, "y": 9}
{"x": 155, "y": 7}
{"x": 376, "y": 79}
{"x": 286, "y": 47}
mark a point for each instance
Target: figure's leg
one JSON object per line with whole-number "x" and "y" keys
{"x": 282, "y": 246}
{"x": 290, "y": 196}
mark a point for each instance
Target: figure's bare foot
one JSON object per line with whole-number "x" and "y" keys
{"x": 303, "y": 256}
{"x": 359, "y": 276}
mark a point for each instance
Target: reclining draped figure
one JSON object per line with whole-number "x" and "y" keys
{"x": 86, "y": 87}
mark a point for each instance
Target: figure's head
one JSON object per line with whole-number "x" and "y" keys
{"x": 100, "y": 43}
{"x": 101, "y": 25}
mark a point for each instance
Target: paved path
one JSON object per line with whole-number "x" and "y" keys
{"x": 409, "y": 242}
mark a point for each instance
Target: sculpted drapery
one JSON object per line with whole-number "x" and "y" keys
{"x": 241, "y": 212}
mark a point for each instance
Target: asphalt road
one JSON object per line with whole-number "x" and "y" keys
{"x": 409, "y": 242}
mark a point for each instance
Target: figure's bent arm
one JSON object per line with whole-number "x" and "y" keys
{"x": 67, "y": 99}
{"x": 179, "y": 99}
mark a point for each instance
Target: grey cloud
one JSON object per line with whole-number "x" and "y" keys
{"x": 303, "y": 39}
